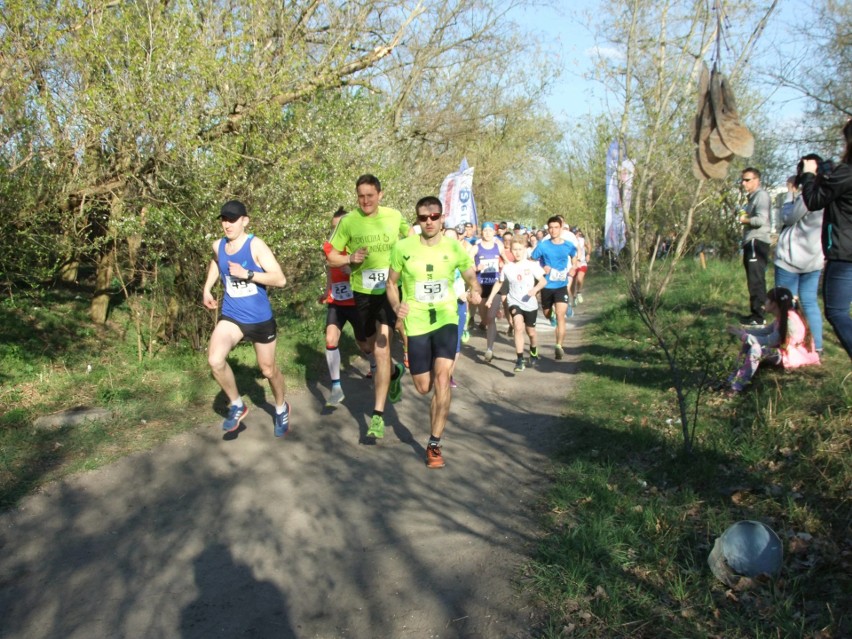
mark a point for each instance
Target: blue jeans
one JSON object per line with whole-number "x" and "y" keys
{"x": 837, "y": 296}
{"x": 804, "y": 286}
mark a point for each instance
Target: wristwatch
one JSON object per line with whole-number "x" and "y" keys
{"x": 249, "y": 276}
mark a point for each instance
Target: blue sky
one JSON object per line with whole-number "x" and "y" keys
{"x": 565, "y": 37}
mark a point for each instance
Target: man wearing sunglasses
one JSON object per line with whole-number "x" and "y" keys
{"x": 755, "y": 222}
{"x": 363, "y": 240}
{"x": 427, "y": 263}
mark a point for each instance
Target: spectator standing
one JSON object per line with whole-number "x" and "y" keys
{"x": 832, "y": 191}
{"x": 755, "y": 244}
{"x": 798, "y": 256}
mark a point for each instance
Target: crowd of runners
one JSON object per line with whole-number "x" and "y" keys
{"x": 425, "y": 283}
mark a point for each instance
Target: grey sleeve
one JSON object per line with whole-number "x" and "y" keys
{"x": 793, "y": 211}
{"x": 762, "y": 207}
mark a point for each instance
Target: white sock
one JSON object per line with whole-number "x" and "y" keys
{"x": 332, "y": 356}
{"x": 281, "y": 409}
{"x": 237, "y": 402}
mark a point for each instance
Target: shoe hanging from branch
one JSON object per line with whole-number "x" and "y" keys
{"x": 717, "y": 133}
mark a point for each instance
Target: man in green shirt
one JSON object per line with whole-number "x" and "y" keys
{"x": 427, "y": 264}
{"x": 363, "y": 240}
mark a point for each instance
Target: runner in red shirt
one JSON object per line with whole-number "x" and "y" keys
{"x": 341, "y": 309}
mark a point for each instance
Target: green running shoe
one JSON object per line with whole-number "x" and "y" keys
{"x": 395, "y": 389}
{"x": 377, "y": 427}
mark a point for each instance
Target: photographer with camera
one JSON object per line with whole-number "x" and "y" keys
{"x": 755, "y": 222}
{"x": 832, "y": 190}
{"x": 798, "y": 254}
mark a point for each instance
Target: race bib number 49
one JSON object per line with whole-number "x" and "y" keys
{"x": 374, "y": 279}
{"x": 431, "y": 292}
{"x": 239, "y": 288}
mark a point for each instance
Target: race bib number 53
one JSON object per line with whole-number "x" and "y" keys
{"x": 431, "y": 292}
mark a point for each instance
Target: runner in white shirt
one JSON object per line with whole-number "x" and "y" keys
{"x": 521, "y": 281}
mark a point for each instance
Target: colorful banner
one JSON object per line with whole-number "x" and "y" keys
{"x": 619, "y": 189}
{"x": 457, "y": 197}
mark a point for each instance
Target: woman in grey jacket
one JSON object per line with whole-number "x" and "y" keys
{"x": 798, "y": 257}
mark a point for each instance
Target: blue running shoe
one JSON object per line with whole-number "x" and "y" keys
{"x": 569, "y": 312}
{"x": 282, "y": 421}
{"x": 235, "y": 416}
{"x": 553, "y": 320}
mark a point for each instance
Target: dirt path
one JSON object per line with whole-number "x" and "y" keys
{"x": 312, "y": 536}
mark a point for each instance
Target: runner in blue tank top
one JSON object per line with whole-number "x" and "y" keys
{"x": 246, "y": 267}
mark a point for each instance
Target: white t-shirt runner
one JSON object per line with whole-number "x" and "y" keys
{"x": 521, "y": 277}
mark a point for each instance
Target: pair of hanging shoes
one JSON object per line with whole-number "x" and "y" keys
{"x": 717, "y": 132}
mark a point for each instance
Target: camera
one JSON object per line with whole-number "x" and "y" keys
{"x": 824, "y": 167}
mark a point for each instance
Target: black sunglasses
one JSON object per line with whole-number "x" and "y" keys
{"x": 434, "y": 217}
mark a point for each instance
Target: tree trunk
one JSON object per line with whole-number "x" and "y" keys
{"x": 100, "y": 300}
{"x": 68, "y": 272}
{"x": 134, "y": 246}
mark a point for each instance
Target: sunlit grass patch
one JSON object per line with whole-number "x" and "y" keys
{"x": 631, "y": 518}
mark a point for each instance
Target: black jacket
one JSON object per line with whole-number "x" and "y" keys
{"x": 832, "y": 192}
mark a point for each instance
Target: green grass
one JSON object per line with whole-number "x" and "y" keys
{"x": 631, "y": 518}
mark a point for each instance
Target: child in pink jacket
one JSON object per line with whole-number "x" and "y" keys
{"x": 787, "y": 341}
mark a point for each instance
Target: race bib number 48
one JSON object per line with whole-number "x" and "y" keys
{"x": 374, "y": 279}
{"x": 431, "y": 292}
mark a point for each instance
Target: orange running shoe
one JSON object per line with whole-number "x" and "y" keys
{"x": 434, "y": 458}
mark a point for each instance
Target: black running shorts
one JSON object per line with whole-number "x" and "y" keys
{"x": 424, "y": 349}
{"x": 373, "y": 309}
{"x": 339, "y": 315}
{"x": 529, "y": 316}
{"x": 551, "y": 296}
{"x": 260, "y": 333}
